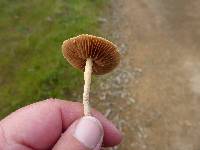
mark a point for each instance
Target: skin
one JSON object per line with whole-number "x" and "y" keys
{"x": 43, "y": 125}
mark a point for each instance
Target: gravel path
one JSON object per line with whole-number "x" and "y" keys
{"x": 154, "y": 95}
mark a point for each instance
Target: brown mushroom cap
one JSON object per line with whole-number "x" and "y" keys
{"x": 103, "y": 53}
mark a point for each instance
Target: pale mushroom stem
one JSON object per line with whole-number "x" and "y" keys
{"x": 86, "y": 93}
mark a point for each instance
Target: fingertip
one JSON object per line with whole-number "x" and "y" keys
{"x": 112, "y": 135}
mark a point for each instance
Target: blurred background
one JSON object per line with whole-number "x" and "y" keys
{"x": 32, "y": 67}
{"x": 153, "y": 96}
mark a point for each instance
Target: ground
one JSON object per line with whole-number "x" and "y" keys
{"x": 153, "y": 96}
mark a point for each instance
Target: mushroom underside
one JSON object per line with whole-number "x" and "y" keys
{"x": 103, "y": 53}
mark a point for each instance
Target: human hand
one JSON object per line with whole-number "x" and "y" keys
{"x": 56, "y": 124}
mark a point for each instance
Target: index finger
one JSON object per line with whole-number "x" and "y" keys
{"x": 40, "y": 125}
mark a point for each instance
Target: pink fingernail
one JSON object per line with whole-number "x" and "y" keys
{"x": 89, "y": 132}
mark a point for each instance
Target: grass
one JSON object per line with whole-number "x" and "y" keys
{"x": 32, "y": 67}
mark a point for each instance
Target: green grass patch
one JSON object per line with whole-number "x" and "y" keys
{"x": 32, "y": 67}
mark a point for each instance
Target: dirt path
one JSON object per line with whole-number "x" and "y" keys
{"x": 154, "y": 96}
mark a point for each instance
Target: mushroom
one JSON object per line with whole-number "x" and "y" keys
{"x": 93, "y": 55}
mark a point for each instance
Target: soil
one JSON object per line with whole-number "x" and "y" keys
{"x": 154, "y": 94}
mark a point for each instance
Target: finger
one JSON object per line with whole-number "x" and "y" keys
{"x": 40, "y": 125}
{"x": 84, "y": 134}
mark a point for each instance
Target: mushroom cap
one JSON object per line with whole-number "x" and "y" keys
{"x": 104, "y": 54}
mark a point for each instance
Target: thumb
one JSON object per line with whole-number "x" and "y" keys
{"x": 84, "y": 134}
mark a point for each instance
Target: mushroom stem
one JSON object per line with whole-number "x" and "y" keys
{"x": 87, "y": 78}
